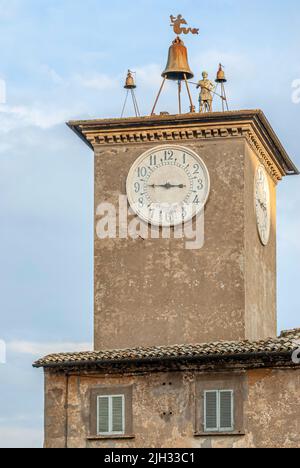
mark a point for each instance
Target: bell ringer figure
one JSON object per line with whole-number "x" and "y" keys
{"x": 206, "y": 93}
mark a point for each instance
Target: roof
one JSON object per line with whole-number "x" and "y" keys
{"x": 286, "y": 344}
{"x": 87, "y": 129}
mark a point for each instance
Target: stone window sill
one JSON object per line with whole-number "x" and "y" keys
{"x": 112, "y": 437}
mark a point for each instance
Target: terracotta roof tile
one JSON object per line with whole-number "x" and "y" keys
{"x": 286, "y": 343}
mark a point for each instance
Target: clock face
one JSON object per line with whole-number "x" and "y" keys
{"x": 168, "y": 185}
{"x": 262, "y": 205}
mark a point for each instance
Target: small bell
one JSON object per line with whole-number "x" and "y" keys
{"x": 221, "y": 80}
{"x": 178, "y": 68}
{"x": 130, "y": 83}
{"x": 130, "y": 86}
{"x": 221, "y": 75}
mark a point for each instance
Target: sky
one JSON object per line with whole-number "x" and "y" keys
{"x": 67, "y": 59}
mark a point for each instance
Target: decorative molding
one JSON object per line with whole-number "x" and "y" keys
{"x": 162, "y": 135}
{"x": 273, "y": 170}
{"x": 184, "y": 134}
{"x": 249, "y": 124}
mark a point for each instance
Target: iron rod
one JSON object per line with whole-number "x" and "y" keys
{"x": 179, "y": 96}
{"x": 135, "y": 104}
{"x": 189, "y": 93}
{"x": 225, "y": 96}
{"x": 123, "y": 110}
{"x": 156, "y": 101}
{"x": 213, "y": 92}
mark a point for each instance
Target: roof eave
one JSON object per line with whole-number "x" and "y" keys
{"x": 82, "y": 127}
{"x": 239, "y": 357}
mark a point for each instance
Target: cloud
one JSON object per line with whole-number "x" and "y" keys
{"x": 67, "y": 98}
{"x": 43, "y": 349}
{"x": 5, "y": 147}
{"x": 42, "y": 116}
{"x": 52, "y": 74}
{"x": 9, "y": 9}
{"x": 97, "y": 81}
{"x": 2, "y": 91}
{"x": 288, "y": 216}
{"x": 149, "y": 76}
{"x": 16, "y": 437}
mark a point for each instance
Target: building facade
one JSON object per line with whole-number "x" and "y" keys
{"x": 186, "y": 353}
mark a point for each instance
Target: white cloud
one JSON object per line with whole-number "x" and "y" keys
{"x": 5, "y": 147}
{"x": 44, "y": 117}
{"x": 296, "y": 91}
{"x": 52, "y": 74}
{"x": 63, "y": 106}
{"x": 16, "y": 437}
{"x": 9, "y": 9}
{"x": 43, "y": 349}
{"x": 149, "y": 76}
{"x": 2, "y": 352}
{"x": 2, "y": 91}
{"x": 97, "y": 81}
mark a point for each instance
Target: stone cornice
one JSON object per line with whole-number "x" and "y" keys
{"x": 251, "y": 125}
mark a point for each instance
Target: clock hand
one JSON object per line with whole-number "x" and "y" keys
{"x": 168, "y": 186}
{"x": 263, "y": 206}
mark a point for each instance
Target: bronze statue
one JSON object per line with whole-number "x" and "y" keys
{"x": 206, "y": 93}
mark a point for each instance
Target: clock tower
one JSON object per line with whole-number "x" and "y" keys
{"x": 153, "y": 290}
{"x": 186, "y": 352}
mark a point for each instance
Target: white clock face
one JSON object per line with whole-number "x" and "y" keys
{"x": 262, "y": 205}
{"x": 168, "y": 185}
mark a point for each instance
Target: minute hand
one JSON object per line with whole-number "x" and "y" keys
{"x": 168, "y": 186}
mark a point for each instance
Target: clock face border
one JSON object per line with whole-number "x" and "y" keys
{"x": 147, "y": 153}
{"x": 263, "y": 241}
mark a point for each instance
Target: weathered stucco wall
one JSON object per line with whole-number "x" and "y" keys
{"x": 157, "y": 292}
{"x": 164, "y": 410}
{"x": 260, "y": 261}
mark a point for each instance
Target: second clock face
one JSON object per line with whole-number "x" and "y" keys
{"x": 262, "y": 205}
{"x": 168, "y": 185}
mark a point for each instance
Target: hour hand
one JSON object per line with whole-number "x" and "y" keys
{"x": 168, "y": 186}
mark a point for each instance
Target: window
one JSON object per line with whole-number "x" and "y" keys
{"x": 111, "y": 412}
{"x": 111, "y": 415}
{"x": 220, "y": 403}
{"x": 219, "y": 411}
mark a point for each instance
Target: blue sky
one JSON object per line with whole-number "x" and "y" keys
{"x": 66, "y": 59}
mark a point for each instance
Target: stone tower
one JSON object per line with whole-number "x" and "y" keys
{"x": 151, "y": 292}
{"x": 186, "y": 353}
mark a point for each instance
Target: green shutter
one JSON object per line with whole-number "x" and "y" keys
{"x": 211, "y": 411}
{"x": 103, "y": 415}
{"x": 118, "y": 414}
{"x": 226, "y": 410}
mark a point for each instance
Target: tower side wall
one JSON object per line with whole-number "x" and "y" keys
{"x": 158, "y": 292}
{"x": 260, "y": 261}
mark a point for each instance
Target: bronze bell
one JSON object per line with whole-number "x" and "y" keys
{"x": 221, "y": 75}
{"x": 130, "y": 84}
{"x": 178, "y": 66}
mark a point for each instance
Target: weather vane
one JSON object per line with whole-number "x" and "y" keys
{"x": 177, "y": 26}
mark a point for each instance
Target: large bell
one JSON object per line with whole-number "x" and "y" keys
{"x": 178, "y": 67}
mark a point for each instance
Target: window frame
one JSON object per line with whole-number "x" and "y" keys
{"x": 226, "y": 381}
{"x": 110, "y": 415}
{"x": 96, "y": 391}
{"x": 219, "y": 429}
